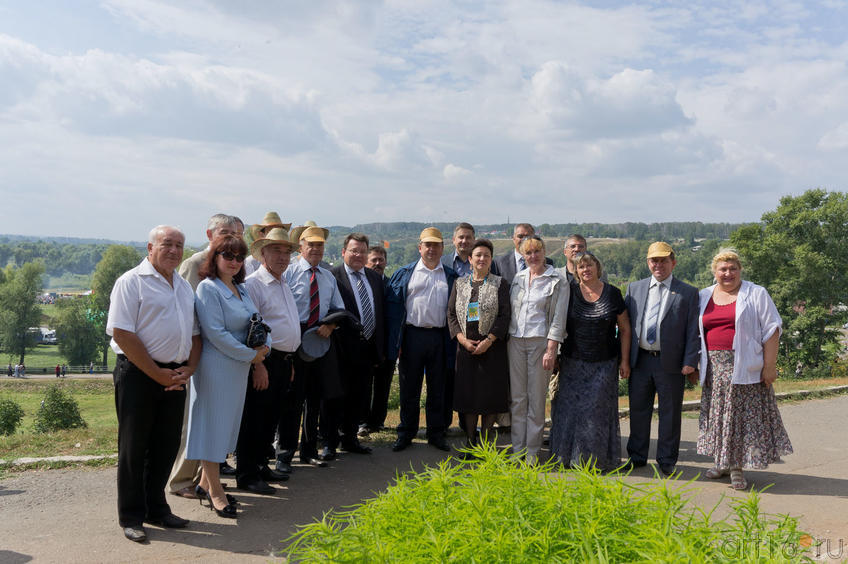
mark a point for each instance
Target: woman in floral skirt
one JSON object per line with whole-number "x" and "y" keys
{"x": 740, "y": 425}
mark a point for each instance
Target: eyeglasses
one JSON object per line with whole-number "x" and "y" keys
{"x": 227, "y": 255}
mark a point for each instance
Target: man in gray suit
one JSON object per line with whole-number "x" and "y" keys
{"x": 664, "y": 350}
{"x": 508, "y": 264}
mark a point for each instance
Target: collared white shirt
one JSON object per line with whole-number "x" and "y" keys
{"x": 161, "y": 316}
{"x": 532, "y": 315}
{"x": 275, "y": 302}
{"x": 652, "y": 299}
{"x": 355, "y": 287}
{"x": 298, "y": 274}
{"x": 427, "y": 296}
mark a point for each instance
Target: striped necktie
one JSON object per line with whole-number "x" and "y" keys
{"x": 654, "y": 316}
{"x": 367, "y": 310}
{"x": 314, "y": 299}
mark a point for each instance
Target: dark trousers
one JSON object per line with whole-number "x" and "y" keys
{"x": 150, "y": 421}
{"x": 291, "y": 410}
{"x": 376, "y": 414}
{"x": 647, "y": 379}
{"x": 260, "y": 416}
{"x": 340, "y": 417}
{"x": 423, "y": 350}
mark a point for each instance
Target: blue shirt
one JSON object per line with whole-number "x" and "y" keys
{"x": 298, "y": 274}
{"x": 462, "y": 268}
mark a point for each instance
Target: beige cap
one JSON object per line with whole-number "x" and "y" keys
{"x": 431, "y": 235}
{"x": 276, "y": 236}
{"x": 660, "y": 249}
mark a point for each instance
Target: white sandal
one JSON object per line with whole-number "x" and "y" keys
{"x": 715, "y": 473}
{"x": 737, "y": 479}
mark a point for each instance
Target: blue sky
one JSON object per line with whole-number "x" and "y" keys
{"x": 122, "y": 114}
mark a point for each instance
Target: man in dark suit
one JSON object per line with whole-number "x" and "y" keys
{"x": 460, "y": 259}
{"x": 511, "y": 262}
{"x": 664, "y": 350}
{"x": 362, "y": 292}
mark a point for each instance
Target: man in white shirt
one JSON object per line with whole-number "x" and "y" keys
{"x": 416, "y": 316}
{"x": 268, "y": 394}
{"x": 157, "y": 340}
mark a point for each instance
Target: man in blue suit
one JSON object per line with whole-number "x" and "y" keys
{"x": 664, "y": 350}
{"x": 418, "y": 336}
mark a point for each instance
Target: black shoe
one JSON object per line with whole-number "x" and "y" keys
{"x": 401, "y": 444}
{"x": 227, "y": 470}
{"x": 363, "y": 432}
{"x": 631, "y": 465}
{"x": 356, "y": 447}
{"x": 439, "y": 443}
{"x": 270, "y": 475}
{"x": 228, "y": 512}
{"x": 667, "y": 469}
{"x": 169, "y": 521}
{"x": 259, "y": 487}
{"x": 316, "y": 462}
{"x": 136, "y": 533}
{"x": 327, "y": 454}
{"x": 283, "y": 466}
{"x": 200, "y": 494}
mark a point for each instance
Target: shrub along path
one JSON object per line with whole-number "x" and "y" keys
{"x": 70, "y": 515}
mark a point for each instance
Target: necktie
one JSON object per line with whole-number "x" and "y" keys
{"x": 654, "y": 316}
{"x": 367, "y": 313}
{"x": 314, "y": 299}
{"x": 522, "y": 264}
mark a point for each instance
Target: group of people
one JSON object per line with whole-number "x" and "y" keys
{"x": 16, "y": 371}
{"x": 61, "y": 370}
{"x": 285, "y": 355}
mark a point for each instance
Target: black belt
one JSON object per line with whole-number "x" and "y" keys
{"x": 652, "y": 353}
{"x": 411, "y": 326}
{"x": 284, "y": 354}
{"x": 171, "y": 365}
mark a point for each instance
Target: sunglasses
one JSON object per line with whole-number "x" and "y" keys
{"x": 230, "y": 256}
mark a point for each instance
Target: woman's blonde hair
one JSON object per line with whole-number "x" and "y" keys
{"x": 586, "y": 256}
{"x": 531, "y": 243}
{"x": 726, "y": 255}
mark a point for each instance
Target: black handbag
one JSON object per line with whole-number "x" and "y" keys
{"x": 257, "y": 334}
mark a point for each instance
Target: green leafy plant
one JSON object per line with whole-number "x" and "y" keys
{"x": 494, "y": 509}
{"x": 58, "y": 411}
{"x": 11, "y": 415}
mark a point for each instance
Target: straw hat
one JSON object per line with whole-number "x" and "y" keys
{"x": 276, "y": 236}
{"x": 310, "y": 232}
{"x": 430, "y": 235}
{"x": 270, "y": 221}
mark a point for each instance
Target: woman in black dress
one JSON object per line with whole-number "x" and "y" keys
{"x": 584, "y": 411}
{"x": 478, "y": 317}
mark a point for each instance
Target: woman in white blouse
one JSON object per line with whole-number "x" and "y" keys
{"x": 740, "y": 425}
{"x": 539, "y": 298}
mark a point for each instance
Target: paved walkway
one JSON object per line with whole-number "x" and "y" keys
{"x": 69, "y": 515}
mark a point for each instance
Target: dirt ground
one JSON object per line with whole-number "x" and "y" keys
{"x": 70, "y": 515}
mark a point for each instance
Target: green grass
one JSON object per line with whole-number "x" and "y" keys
{"x": 43, "y": 359}
{"x": 97, "y": 406}
{"x": 497, "y": 510}
{"x": 69, "y": 282}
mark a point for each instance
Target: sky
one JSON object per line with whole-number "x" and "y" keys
{"x": 119, "y": 115}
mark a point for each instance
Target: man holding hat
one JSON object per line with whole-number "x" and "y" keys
{"x": 267, "y": 396}
{"x": 664, "y": 349}
{"x": 416, "y": 318}
{"x": 316, "y": 377}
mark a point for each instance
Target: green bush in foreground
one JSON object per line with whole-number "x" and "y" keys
{"x": 11, "y": 415}
{"x": 58, "y": 411}
{"x": 494, "y": 510}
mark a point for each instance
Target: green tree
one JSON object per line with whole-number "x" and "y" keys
{"x": 78, "y": 335}
{"x": 18, "y": 310}
{"x": 799, "y": 253}
{"x": 116, "y": 260}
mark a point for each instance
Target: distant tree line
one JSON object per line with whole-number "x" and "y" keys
{"x": 57, "y": 258}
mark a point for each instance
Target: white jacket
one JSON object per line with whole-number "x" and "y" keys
{"x": 756, "y": 321}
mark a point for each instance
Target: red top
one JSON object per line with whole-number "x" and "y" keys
{"x": 719, "y": 326}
